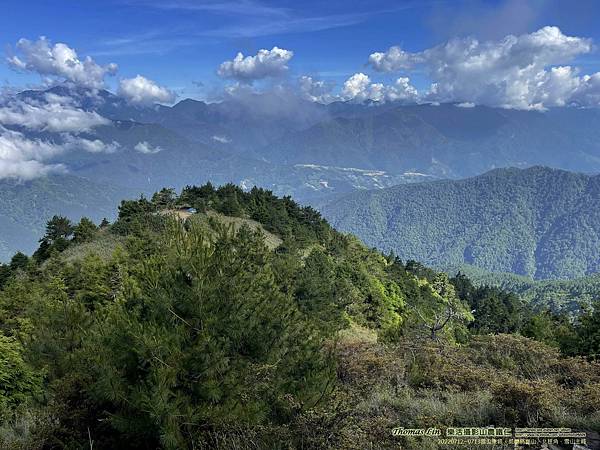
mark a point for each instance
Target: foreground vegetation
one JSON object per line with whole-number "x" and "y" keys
{"x": 556, "y": 295}
{"x": 154, "y": 332}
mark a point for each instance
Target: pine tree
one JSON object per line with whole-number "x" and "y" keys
{"x": 18, "y": 262}
{"x": 59, "y": 227}
{"x": 84, "y": 231}
{"x": 210, "y": 338}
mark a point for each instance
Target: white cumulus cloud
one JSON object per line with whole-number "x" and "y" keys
{"x": 402, "y": 91}
{"x": 146, "y": 148}
{"x": 59, "y": 61}
{"x": 529, "y": 71}
{"x": 142, "y": 91}
{"x": 266, "y": 63}
{"x": 392, "y": 60}
{"x": 588, "y": 90}
{"x": 24, "y": 158}
{"x": 359, "y": 88}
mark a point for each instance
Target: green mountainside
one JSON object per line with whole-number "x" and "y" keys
{"x": 387, "y": 141}
{"x": 248, "y": 322}
{"x": 538, "y": 222}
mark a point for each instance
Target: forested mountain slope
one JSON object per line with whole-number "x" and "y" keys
{"x": 445, "y": 140}
{"x": 170, "y": 329}
{"x": 393, "y": 140}
{"x": 557, "y": 295}
{"x": 540, "y": 222}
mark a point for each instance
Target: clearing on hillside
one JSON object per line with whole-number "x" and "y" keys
{"x": 271, "y": 240}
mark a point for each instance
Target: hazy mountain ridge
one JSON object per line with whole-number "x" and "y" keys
{"x": 317, "y": 152}
{"x": 388, "y": 141}
{"x": 195, "y": 142}
{"x": 26, "y": 206}
{"x": 446, "y": 139}
{"x": 538, "y": 222}
{"x": 442, "y": 140}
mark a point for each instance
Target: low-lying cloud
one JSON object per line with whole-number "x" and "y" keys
{"x": 142, "y": 91}
{"x": 57, "y": 116}
{"x": 24, "y": 158}
{"x": 77, "y": 143}
{"x": 221, "y": 139}
{"x": 33, "y": 133}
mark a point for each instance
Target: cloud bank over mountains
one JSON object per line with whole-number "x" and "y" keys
{"x": 34, "y": 131}
{"x": 533, "y": 71}
{"x": 57, "y": 115}
{"x": 24, "y": 158}
{"x": 530, "y": 71}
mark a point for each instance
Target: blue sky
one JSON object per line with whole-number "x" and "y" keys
{"x": 178, "y": 43}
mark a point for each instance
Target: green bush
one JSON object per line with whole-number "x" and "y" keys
{"x": 19, "y": 383}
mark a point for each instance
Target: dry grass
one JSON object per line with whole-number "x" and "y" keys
{"x": 179, "y": 213}
{"x": 103, "y": 245}
{"x": 271, "y": 240}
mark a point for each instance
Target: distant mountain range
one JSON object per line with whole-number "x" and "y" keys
{"x": 539, "y": 222}
{"x": 262, "y": 138}
{"x": 315, "y": 153}
{"x": 195, "y": 142}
